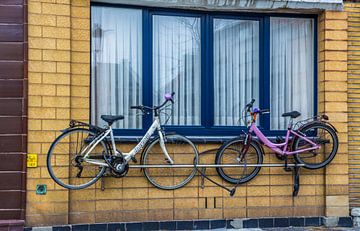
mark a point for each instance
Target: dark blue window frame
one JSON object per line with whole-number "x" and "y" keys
{"x": 207, "y": 127}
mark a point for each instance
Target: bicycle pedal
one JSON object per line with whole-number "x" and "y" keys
{"x": 288, "y": 169}
{"x": 134, "y": 159}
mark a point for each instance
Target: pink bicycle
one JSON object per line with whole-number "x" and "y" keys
{"x": 312, "y": 142}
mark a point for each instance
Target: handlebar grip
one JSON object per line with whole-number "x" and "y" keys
{"x": 136, "y": 107}
{"x": 251, "y": 103}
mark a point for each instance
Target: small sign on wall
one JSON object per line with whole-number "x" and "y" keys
{"x": 32, "y": 160}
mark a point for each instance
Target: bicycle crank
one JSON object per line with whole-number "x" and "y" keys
{"x": 119, "y": 167}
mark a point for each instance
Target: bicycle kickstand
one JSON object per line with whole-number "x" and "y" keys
{"x": 296, "y": 180}
{"x": 287, "y": 168}
{"x": 203, "y": 172}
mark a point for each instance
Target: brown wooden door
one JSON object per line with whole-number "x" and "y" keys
{"x": 13, "y": 113}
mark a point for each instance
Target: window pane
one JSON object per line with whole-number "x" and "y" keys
{"x": 116, "y": 73}
{"x": 292, "y": 69}
{"x": 177, "y": 66}
{"x": 236, "y": 68}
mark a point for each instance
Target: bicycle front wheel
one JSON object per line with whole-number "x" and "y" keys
{"x": 66, "y": 163}
{"x": 182, "y": 151}
{"x": 325, "y": 137}
{"x": 230, "y": 153}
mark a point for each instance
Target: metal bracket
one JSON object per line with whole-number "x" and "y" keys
{"x": 203, "y": 172}
{"x": 102, "y": 183}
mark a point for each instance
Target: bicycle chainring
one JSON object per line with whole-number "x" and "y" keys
{"x": 119, "y": 167}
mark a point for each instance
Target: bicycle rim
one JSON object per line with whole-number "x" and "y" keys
{"x": 325, "y": 137}
{"x": 182, "y": 151}
{"x": 230, "y": 154}
{"x": 64, "y": 160}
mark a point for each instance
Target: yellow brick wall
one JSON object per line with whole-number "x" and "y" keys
{"x": 59, "y": 66}
{"x": 49, "y": 103}
{"x": 353, "y": 10}
{"x": 332, "y": 84}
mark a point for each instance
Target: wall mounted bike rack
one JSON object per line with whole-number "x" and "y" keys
{"x": 295, "y": 168}
{"x": 201, "y": 168}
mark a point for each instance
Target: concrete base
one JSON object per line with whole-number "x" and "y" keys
{"x": 330, "y": 221}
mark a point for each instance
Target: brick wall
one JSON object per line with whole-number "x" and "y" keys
{"x": 332, "y": 84}
{"x": 59, "y": 90}
{"x": 49, "y": 103}
{"x": 353, "y": 10}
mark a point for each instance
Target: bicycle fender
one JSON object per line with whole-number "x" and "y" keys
{"x": 317, "y": 121}
{"x": 148, "y": 143}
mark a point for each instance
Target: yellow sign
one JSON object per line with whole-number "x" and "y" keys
{"x": 32, "y": 160}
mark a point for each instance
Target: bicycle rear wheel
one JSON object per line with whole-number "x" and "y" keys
{"x": 230, "y": 153}
{"x": 66, "y": 163}
{"x": 181, "y": 151}
{"x": 324, "y": 136}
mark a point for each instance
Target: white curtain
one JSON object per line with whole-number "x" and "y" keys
{"x": 292, "y": 69}
{"x": 116, "y": 74}
{"x": 177, "y": 66}
{"x": 236, "y": 68}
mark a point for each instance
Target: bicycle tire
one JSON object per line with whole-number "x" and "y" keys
{"x": 60, "y": 160}
{"x": 226, "y": 172}
{"x": 153, "y": 155}
{"x": 307, "y": 129}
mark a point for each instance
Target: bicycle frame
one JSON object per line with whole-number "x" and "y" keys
{"x": 127, "y": 156}
{"x": 281, "y": 148}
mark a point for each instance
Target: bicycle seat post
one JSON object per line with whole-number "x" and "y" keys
{"x": 290, "y": 124}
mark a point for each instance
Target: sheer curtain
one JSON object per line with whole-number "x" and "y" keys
{"x": 236, "y": 68}
{"x": 292, "y": 69}
{"x": 116, "y": 74}
{"x": 177, "y": 66}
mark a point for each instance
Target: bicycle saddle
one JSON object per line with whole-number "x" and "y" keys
{"x": 292, "y": 114}
{"x": 111, "y": 119}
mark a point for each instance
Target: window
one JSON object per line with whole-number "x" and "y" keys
{"x": 177, "y": 66}
{"x": 236, "y": 68}
{"x": 292, "y": 69}
{"x": 116, "y": 68}
{"x": 214, "y": 62}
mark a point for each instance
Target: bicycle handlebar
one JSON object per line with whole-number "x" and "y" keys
{"x": 168, "y": 97}
{"x": 250, "y": 105}
{"x": 261, "y": 112}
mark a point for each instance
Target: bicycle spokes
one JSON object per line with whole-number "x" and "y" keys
{"x": 322, "y": 138}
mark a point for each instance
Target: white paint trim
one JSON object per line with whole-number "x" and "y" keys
{"x": 238, "y": 5}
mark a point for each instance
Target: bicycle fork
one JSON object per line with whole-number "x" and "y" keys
{"x": 163, "y": 147}
{"x": 245, "y": 147}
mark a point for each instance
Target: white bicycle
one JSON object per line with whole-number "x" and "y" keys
{"x": 83, "y": 153}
